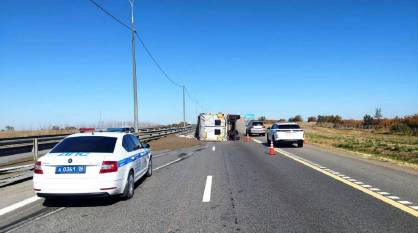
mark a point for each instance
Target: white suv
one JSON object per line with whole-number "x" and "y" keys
{"x": 285, "y": 133}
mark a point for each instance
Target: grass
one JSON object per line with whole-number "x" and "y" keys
{"x": 27, "y": 133}
{"x": 377, "y": 144}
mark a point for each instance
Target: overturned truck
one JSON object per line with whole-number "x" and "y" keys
{"x": 217, "y": 127}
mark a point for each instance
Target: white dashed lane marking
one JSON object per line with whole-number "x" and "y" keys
{"x": 405, "y": 202}
{"x": 369, "y": 189}
{"x": 208, "y": 188}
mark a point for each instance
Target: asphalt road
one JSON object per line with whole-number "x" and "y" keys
{"x": 250, "y": 192}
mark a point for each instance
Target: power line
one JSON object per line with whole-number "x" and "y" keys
{"x": 110, "y": 14}
{"x": 148, "y": 51}
{"x": 141, "y": 41}
{"x": 156, "y": 62}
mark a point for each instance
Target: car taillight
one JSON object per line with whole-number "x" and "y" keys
{"x": 37, "y": 169}
{"x": 109, "y": 166}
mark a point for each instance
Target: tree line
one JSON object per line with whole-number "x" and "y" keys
{"x": 406, "y": 125}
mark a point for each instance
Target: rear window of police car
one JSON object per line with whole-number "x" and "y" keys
{"x": 88, "y": 144}
{"x": 295, "y": 126}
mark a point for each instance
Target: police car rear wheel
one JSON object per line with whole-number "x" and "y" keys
{"x": 129, "y": 191}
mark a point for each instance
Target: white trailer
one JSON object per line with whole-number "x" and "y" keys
{"x": 212, "y": 127}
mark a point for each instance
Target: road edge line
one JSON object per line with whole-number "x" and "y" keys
{"x": 18, "y": 205}
{"x": 355, "y": 186}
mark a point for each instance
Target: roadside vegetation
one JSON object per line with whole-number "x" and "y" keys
{"x": 383, "y": 138}
{"x": 27, "y": 133}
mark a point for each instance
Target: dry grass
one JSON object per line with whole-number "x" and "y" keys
{"x": 173, "y": 142}
{"x": 28, "y": 133}
{"x": 378, "y": 144}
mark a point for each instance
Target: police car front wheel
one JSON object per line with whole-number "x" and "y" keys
{"x": 149, "y": 171}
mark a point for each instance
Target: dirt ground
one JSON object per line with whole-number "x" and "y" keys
{"x": 173, "y": 142}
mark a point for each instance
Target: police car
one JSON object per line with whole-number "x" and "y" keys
{"x": 93, "y": 164}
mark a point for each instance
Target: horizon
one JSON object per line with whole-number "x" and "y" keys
{"x": 72, "y": 63}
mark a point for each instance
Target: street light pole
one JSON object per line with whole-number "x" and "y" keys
{"x": 184, "y": 108}
{"x": 131, "y": 2}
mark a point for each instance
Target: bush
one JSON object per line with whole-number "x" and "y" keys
{"x": 311, "y": 119}
{"x": 401, "y": 128}
{"x": 297, "y": 118}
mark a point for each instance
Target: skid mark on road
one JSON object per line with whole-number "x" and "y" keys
{"x": 395, "y": 201}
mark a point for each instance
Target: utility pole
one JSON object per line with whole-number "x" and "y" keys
{"x": 131, "y": 2}
{"x": 184, "y": 108}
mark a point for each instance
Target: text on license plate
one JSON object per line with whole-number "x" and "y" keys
{"x": 70, "y": 169}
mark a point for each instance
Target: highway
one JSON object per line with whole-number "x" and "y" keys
{"x": 296, "y": 190}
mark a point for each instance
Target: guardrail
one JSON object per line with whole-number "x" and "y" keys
{"x": 14, "y": 174}
{"x": 26, "y": 144}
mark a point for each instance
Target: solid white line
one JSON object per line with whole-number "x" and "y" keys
{"x": 208, "y": 187}
{"x": 405, "y": 202}
{"x": 393, "y": 197}
{"x": 36, "y": 219}
{"x": 358, "y": 182}
{"x": 257, "y": 141}
{"x": 167, "y": 164}
{"x": 366, "y": 186}
{"x": 375, "y": 189}
{"x": 383, "y": 193}
{"x": 18, "y": 205}
{"x": 346, "y": 177}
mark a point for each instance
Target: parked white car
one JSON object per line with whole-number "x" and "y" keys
{"x": 93, "y": 164}
{"x": 285, "y": 133}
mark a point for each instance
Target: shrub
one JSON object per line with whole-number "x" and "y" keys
{"x": 311, "y": 119}
{"x": 401, "y": 128}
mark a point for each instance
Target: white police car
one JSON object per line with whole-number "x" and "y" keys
{"x": 93, "y": 164}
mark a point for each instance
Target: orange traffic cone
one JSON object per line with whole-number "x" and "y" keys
{"x": 271, "y": 148}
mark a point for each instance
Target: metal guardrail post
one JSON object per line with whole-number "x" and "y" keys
{"x": 35, "y": 149}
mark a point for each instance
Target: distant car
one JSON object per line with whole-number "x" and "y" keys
{"x": 93, "y": 164}
{"x": 255, "y": 127}
{"x": 285, "y": 133}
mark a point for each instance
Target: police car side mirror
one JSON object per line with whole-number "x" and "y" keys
{"x": 146, "y": 145}
{"x": 268, "y": 128}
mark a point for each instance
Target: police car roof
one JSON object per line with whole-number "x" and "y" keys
{"x": 103, "y": 134}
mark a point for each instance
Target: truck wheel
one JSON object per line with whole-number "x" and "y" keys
{"x": 300, "y": 144}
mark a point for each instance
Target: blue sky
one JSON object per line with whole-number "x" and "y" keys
{"x": 66, "y": 62}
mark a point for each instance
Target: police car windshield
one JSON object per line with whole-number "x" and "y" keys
{"x": 88, "y": 144}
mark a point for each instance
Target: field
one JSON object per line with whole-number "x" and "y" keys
{"x": 28, "y": 133}
{"x": 381, "y": 145}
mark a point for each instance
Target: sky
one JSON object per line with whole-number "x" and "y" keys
{"x": 66, "y": 62}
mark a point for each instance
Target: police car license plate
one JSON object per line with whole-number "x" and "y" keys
{"x": 70, "y": 170}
